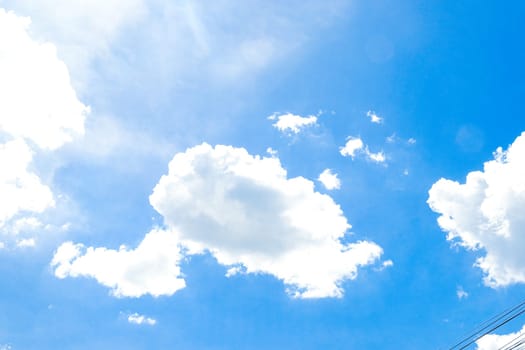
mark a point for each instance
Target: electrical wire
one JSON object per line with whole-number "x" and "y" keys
{"x": 493, "y": 329}
{"x": 490, "y": 324}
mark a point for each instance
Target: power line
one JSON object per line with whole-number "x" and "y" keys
{"x": 493, "y": 329}
{"x": 490, "y": 325}
{"x": 514, "y": 343}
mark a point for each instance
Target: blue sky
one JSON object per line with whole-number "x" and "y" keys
{"x": 161, "y": 161}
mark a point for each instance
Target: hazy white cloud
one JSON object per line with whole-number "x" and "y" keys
{"x": 253, "y": 219}
{"x": 291, "y": 123}
{"x": 374, "y": 118}
{"x": 496, "y": 342}
{"x": 353, "y": 144}
{"x": 26, "y": 243}
{"x": 460, "y": 293}
{"x": 82, "y": 30}
{"x": 136, "y": 318}
{"x": 151, "y": 268}
{"x": 38, "y": 101}
{"x": 329, "y": 180}
{"x": 163, "y": 42}
{"x": 485, "y": 214}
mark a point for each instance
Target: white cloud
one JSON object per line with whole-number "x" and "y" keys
{"x": 81, "y": 29}
{"x": 20, "y": 189}
{"x": 136, "y": 318}
{"x": 246, "y": 212}
{"x": 166, "y": 41}
{"x": 374, "y": 118}
{"x": 151, "y": 268}
{"x": 329, "y": 180}
{"x": 38, "y": 102}
{"x": 460, "y": 293}
{"x": 26, "y": 243}
{"x": 353, "y": 144}
{"x": 291, "y": 123}
{"x": 385, "y": 265}
{"x": 485, "y": 214}
{"x": 378, "y": 157}
{"x": 271, "y": 152}
{"x": 388, "y": 263}
{"x": 39, "y": 111}
{"x": 496, "y": 342}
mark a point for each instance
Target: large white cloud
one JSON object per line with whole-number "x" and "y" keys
{"x": 38, "y": 101}
{"x": 486, "y": 214}
{"x": 220, "y": 41}
{"x": 246, "y": 212}
{"x": 151, "y": 268}
{"x": 39, "y": 110}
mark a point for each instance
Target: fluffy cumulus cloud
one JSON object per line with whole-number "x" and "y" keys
{"x": 253, "y": 219}
{"x": 38, "y": 101}
{"x": 329, "y": 180}
{"x": 485, "y": 214}
{"x": 151, "y": 268}
{"x": 39, "y": 111}
{"x": 139, "y": 319}
{"x": 291, "y": 123}
{"x": 504, "y": 341}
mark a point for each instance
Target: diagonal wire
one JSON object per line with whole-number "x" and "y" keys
{"x": 488, "y": 323}
{"x": 512, "y": 342}
{"x": 494, "y": 328}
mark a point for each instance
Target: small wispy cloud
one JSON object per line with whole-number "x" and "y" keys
{"x": 271, "y": 152}
{"x": 136, "y": 318}
{"x": 374, "y": 118}
{"x": 461, "y": 294}
{"x": 378, "y": 157}
{"x": 355, "y": 146}
{"x": 291, "y": 123}
{"x": 385, "y": 265}
{"x": 26, "y": 243}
